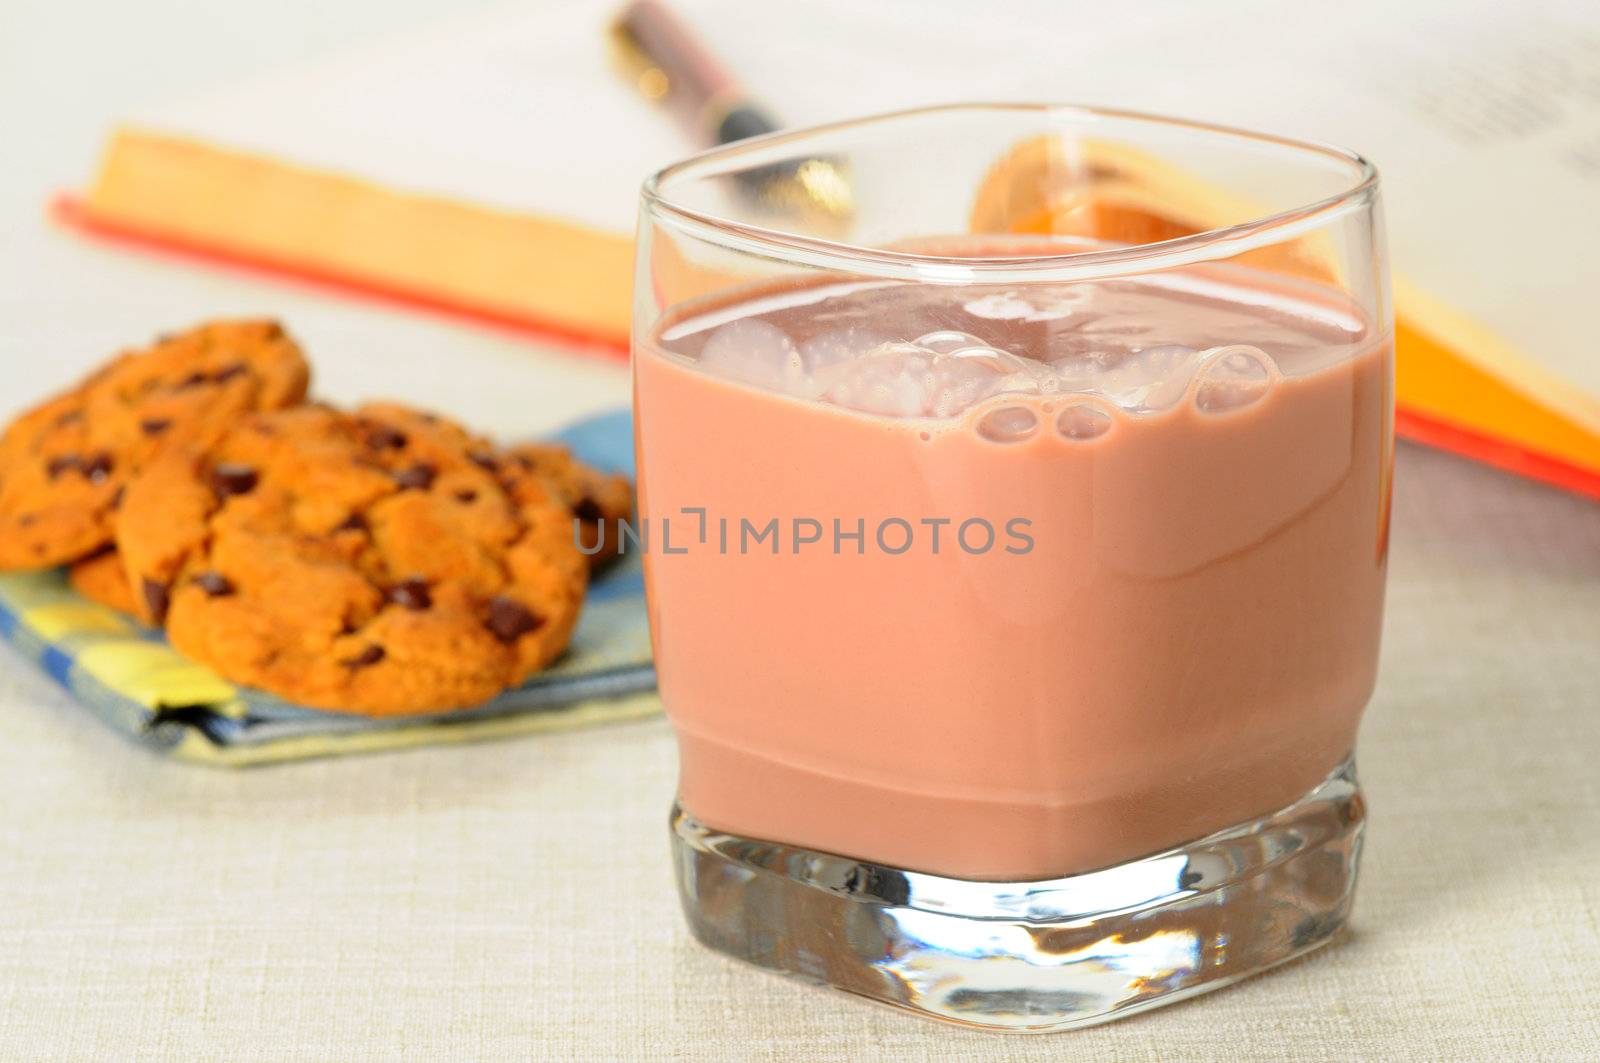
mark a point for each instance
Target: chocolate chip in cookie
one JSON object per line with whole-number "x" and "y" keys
{"x": 232, "y": 478}
{"x": 214, "y": 584}
{"x": 411, "y": 593}
{"x": 509, "y": 619}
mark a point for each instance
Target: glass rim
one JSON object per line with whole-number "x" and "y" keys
{"x": 1208, "y": 245}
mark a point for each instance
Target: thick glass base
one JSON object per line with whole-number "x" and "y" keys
{"x": 1034, "y": 956}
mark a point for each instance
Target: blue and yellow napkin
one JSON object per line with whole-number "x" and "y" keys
{"x": 128, "y": 676}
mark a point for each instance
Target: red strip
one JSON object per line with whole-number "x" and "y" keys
{"x": 72, "y": 212}
{"x": 1421, "y": 428}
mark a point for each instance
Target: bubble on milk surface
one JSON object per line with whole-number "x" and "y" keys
{"x": 839, "y": 345}
{"x": 956, "y": 382}
{"x": 755, "y": 352}
{"x": 1083, "y": 421}
{"x": 1233, "y": 378}
{"x": 910, "y": 380}
{"x": 1008, "y": 424}
{"x": 886, "y": 380}
{"x": 943, "y": 372}
{"x": 1078, "y": 372}
{"x": 1151, "y": 378}
{"x": 947, "y": 341}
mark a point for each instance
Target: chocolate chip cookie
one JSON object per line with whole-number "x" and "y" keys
{"x": 598, "y": 501}
{"x": 100, "y": 577}
{"x": 65, "y": 464}
{"x": 362, "y": 562}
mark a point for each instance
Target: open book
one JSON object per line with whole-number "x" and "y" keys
{"x": 491, "y": 168}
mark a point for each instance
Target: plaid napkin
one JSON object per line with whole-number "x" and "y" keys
{"x": 127, "y": 674}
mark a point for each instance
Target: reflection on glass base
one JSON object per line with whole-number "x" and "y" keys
{"x": 1034, "y": 956}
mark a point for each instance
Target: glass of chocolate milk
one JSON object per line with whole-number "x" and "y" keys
{"x": 1014, "y": 500}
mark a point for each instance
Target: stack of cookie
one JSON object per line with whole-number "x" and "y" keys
{"x": 381, "y": 560}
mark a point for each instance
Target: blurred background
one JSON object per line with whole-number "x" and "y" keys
{"x": 485, "y": 162}
{"x": 66, "y": 85}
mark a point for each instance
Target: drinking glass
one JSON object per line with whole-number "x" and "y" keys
{"x": 1014, "y": 492}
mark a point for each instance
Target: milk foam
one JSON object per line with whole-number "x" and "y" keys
{"x": 928, "y": 351}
